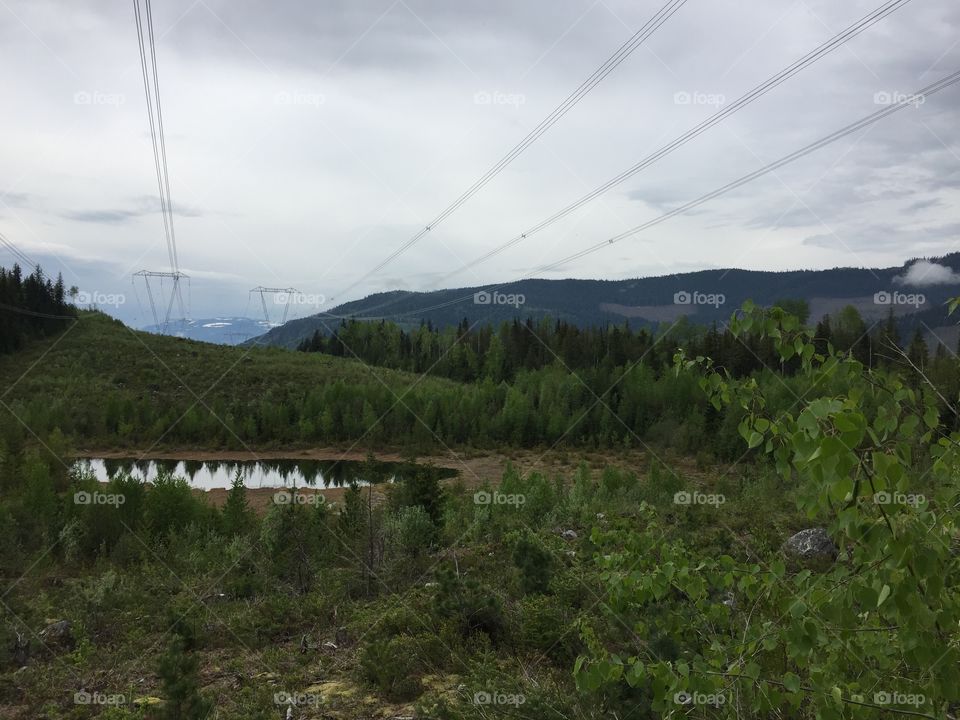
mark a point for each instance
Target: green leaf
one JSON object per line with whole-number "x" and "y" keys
{"x": 884, "y": 594}
{"x": 792, "y": 682}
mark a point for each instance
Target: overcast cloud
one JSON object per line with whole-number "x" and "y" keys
{"x": 308, "y": 140}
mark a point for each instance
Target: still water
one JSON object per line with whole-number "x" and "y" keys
{"x": 208, "y": 475}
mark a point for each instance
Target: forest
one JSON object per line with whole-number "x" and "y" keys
{"x": 31, "y": 306}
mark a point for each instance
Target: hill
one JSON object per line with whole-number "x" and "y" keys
{"x": 104, "y": 384}
{"x": 704, "y": 296}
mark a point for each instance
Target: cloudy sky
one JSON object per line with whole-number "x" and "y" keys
{"x": 308, "y": 140}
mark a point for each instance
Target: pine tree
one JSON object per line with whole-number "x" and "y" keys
{"x": 180, "y": 681}
{"x": 237, "y": 515}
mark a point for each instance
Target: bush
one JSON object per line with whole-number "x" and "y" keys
{"x": 473, "y": 608}
{"x": 411, "y": 532}
{"x": 544, "y": 626}
{"x": 170, "y": 506}
{"x": 534, "y": 562}
{"x": 390, "y": 664}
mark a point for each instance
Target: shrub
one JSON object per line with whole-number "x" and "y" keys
{"x": 534, "y": 562}
{"x": 411, "y": 532}
{"x": 473, "y": 608}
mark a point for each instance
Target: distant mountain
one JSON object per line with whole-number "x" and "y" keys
{"x": 219, "y": 330}
{"x": 704, "y": 296}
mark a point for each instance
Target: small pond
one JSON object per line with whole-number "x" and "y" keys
{"x": 212, "y": 474}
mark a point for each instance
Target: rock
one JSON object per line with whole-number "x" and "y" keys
{"x": 19, "y": 650}
{"x": 569, "y": 534}
{"x": 58, "y": 636}
{"x": 811, "y": 544}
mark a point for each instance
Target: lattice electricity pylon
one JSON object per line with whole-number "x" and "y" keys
{"x": 175, "y": 294}
{"x": 290, "y": 293}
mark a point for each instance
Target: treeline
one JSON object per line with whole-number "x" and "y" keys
{"x": 469, "y": 353}
{"x": 31, "y": 306}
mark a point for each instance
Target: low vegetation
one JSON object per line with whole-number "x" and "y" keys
{"x": 813, "y": 575}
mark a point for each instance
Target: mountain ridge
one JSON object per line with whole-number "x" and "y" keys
{"x": 704, "y": 296}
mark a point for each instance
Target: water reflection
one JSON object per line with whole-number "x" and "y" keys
{"x": 262, "y": 473}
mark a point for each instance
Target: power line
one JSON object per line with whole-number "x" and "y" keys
{"x": 585, "y": 87}
{"x": 905, "y": 101}
{"x": 145, "y": 41}
{"x": 17, "y": 253}
{"x": 153, "y": 132}
{"x": 743, "y": 101}
{"x": 163, "y": 141}
{"x": 786, "y": 159}
{"x": 33, "y": 313}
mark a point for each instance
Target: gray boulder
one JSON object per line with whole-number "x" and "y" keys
{"x": 811, "y": 544}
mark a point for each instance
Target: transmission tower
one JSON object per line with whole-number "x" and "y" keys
{"x": 175, "y": 294}
{"x": 287, "y": 293}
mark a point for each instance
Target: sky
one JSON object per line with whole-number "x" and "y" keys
{"x": 307, "y": 141}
